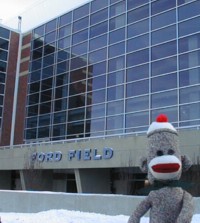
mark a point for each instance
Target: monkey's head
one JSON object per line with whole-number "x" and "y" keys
{"x": 164, "y": 161}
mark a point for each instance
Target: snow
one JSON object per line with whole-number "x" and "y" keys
{"x": 65, "y": 216}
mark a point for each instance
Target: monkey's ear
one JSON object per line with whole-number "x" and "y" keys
{"x": 186, "y": 162}
{"x": 143, "y": 165}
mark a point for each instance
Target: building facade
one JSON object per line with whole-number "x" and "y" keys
{"x": 92, "y": 80}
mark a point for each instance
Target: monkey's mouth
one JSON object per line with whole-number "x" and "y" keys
{"x": 166, "y": 167}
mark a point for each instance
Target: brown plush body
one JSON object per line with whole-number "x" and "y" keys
{"x": 166, "y": 205}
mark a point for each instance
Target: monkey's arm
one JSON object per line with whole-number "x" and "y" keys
{"x": 187, "y": 210}
{"x": 141, "y": 209}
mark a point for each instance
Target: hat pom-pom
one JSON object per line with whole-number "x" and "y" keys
{"x": 162, "y": 118}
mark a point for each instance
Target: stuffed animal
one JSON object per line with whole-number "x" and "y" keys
{"x": 164, "y": 165}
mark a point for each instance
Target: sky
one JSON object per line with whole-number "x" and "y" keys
{"x": 34, "y": 12}
{"x": 65, "y": 216}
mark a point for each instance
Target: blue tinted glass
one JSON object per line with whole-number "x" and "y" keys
{"x": 116, "y": 64}
{"x": 79, "y": 49}
{"x": 190, "y": 94}
{"x": 190, "y": 26}
{"x": 180, "y": 2}
{"x": 117, "y": 35}
{"x": 160, "y": 6}
{"x": 39, "y": 31}
{"x": 139, "y": 72}
{"x": 138, "y": 14}
{"x": 96, "y": 125}
{"x": 3, "y": 44}
{"x": 97, "y": 5}
{"x": 31, "y": 122}
{"x": 50, "y": 37}
{"x": 164, "y": 66}
{"x": 78, "y": 62}
{"x": 5, "y": 33}
{"x": 163, "y": 50}
{"x": 35, "y": 76}
{"x": 137, "y": 103}
{"x": 99, "y": 16}
{"x": 164, "y": 99}
{"x": 138, "y": 57}
{"x": 97, "y": 69}
{"x": 189, "y": 10}
{"x": 189, "y": 77}
{"x": 81, "y": 11}
{"x": 137, "y": 88}
{"x": 59, "y": 117}
{"x": 138, "y": 43}
{"x": 187, "y": 60}
{"x": 189, "y": 112}
{"x": 65, "y": 19}
{"x": 163, "y": 35}
{"x": 132, "y": 4}
{"x": 3, "y": 55}
{"x": 115, "y": 107}
{"x": 114, "y": 122}
{"x": 46, "y": 84}
{"x": 36, "y": 64}
{"x": 80, "y": 24}
{"x": 159, "y": 83}
{"x": 48, "y": 60}
{"x": 80, "y": 36}
{"x": 116, "y": 78}
{"x": 137, "y": 119}
{"x": 99, "y": 29}
{"x": 117, "y": 49}
{"x": 44, "y": 120}
{"x": 118, "y": 8}
{"x": 164, "y": 19}
{"x": 98, "y": 82}
{"x": 47, "y": 72}
{"x": 50, "y": 26}
{"x": 114, "y": 93}
{"x": 98, "y": 42}
{"x": 138, "y": 28}
{"x": 189, "y": 43}
{"x": 117, "y": 22}
{"x": 62, "y": 55}
{"x": 97, "y": 96}
{"x": 96, "y": 111}
{"x": 98, "y": 55}
{"x": 65, "y": 31}
{"x": 62, "y": 67}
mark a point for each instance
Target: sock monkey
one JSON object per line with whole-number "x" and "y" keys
{"x": 164, "y": 164}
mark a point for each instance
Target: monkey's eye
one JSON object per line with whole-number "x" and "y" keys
{"x": 159, "y": 153}
{"x": 170, "y": 152}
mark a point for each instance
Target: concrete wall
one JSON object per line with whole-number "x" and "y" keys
{"x": 31, "y": 202}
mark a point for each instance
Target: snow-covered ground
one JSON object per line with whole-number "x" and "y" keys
{"x": 65, "y": 216}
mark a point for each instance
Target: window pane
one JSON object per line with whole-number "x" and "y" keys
{"x": 115, "y": 107}
{"x": 97, "y": 125}
{"x": 164, "y": 19}
{"x": 189, "y": 60}
{"x": 77, "y": 101}
{"x": 117, "y": 8}
{"x": 97, "y": 96}
{"x": 80, "y": 36}
{"x": 98, "y": 29}
{"x": 98, "y": 55}
{"x": 164, "y": 35}
{"x": 98, "y": 42}
{"x": 99, "y": 16}
{"x": 81, "y": 11}
{"x": 138, "y": 57}
{"x": 160, "y": 6}
{"x": 79, "y": 49}
{"x": 115, "y": 93}
{"x": 138, "y": 28}
{"x": 50, "y": 26}
{"x": 138, "y": 14}
{"x": 114, "y": 122}
{"x": 116, "y": 64}
{"x": 189, "y": 43}
{"x": 190, "y": 94}
{"x": 97, "y": 82}
{"x": 117, "y": 35}
{"x": 116, "y": 78}
{"x": 189, "y": 112}
{"x": 43, "y": 132}
{"x": 117, "y": 49}
{"x": 65, "y": 19}
{"x": 81, "y": 24}
{"x": 189, "y": 10}
{"x": 138, "y": 43}
{"x": 137, "y": 119}
{"x": 189, "y": 77}
{"x": 64, "y": 31}
{"x": 159, "y": 83}
{"x": 139, "y": 72}
{"x": 163, "y": 50}
{"x": 44, "y": 120}
{"x": 96, "y": 111}
{"x": 137, "y": 88}
{"x": 117, "y": 22}
{"x": 59, "y": 117}
{"x": 76, "y": 114}
{"x": 164, "y": 66}
{"x": 137, "y": 104}
{"x": 188, "y": 27}
{"x": 171, "y": 112}
{"x": 4, "y": 44}
{"x": 97, "y": 69}
{"x": 97, "y": 5}
{"x": 164, "y": 99}
{"x": 45, "y": 108}
{"x": 132, "y": 4}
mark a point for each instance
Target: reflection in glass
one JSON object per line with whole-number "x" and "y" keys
{"x": 137, "y": 103}
{"x": 190, "y": 94}
{"x": 189, "y": 112}
{"x": 189, "y": 77}
{"x": 138, "y": 72}
{"x": 115, "y": 107}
